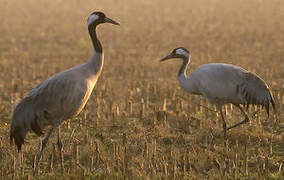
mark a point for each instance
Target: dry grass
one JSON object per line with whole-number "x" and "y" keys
{"x": 138, "y": 123}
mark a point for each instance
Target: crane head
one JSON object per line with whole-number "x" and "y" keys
{"x": 179, "y": 52}
{"x": 98, "y": 17}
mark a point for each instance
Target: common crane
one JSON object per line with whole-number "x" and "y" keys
{"x": 61, "y": 96}
{"x": 222, "y": 84}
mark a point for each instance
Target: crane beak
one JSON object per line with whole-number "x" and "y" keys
{"x": 170, "y": 56}
{"x": 108, "y": 20}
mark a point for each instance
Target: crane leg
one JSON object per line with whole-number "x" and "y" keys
{"x": 59, "y": 142}
{"x": 224, "y": 123}
{"x": 242, "y": 122}
{"x": 60, "y": 149}
{"x": 43, "y": 145}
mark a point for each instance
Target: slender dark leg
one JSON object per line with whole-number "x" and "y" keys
{"x": 21, "y": 162}
{"x": 60, "y": 149}
{"x": 242, "y": 122}
{"x": 59, "y": 142}
{"x": 224, "y": 123}
{"x": 43, "y": 145}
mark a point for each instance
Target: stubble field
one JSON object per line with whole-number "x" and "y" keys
{"x": 138, "y": 123}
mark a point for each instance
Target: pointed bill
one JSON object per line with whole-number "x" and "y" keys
{"x": 108, "y": 20}
{"x": 170, "y": 56}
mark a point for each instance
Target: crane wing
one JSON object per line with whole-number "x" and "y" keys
{"x": 255, "y": 91}
{"x": 59, "y": 97}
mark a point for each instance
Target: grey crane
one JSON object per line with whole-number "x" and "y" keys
{"x": 61, "y": 96}
{"x": 222, "y": 84}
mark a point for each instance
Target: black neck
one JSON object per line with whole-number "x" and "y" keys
{"x": 97, "y": 45}
{"x": 183, "y": 67}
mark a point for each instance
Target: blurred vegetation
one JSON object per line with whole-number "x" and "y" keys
{"x": 138, "y": 123}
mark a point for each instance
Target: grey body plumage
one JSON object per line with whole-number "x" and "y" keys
{"x": 62, "y": 96}
{"x": 222, "y": 84}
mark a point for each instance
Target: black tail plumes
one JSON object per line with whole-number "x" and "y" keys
{"x": 256, "y": 92}
{"x": 17, "y": 137}
{"x": 23, "y": 120}
{"x": 271, "y": 100}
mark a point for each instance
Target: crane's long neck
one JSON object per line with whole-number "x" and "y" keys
{"x": 182, "y": 70}
{"x": 187, "y": 82}
{"x": 98, "y": 57}
{"x": 93, "y": 33}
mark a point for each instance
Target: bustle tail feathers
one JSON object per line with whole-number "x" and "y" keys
{"x": 23, "y": 120}
{"x": 272, "y": 101}
{"x": 258, "y": 97}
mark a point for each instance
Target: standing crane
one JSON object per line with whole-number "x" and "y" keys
{"x": 222, "y": 84}
{"x": 60, "y": 97}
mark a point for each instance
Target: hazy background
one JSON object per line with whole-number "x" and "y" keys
{"x": 39, "y": 38}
